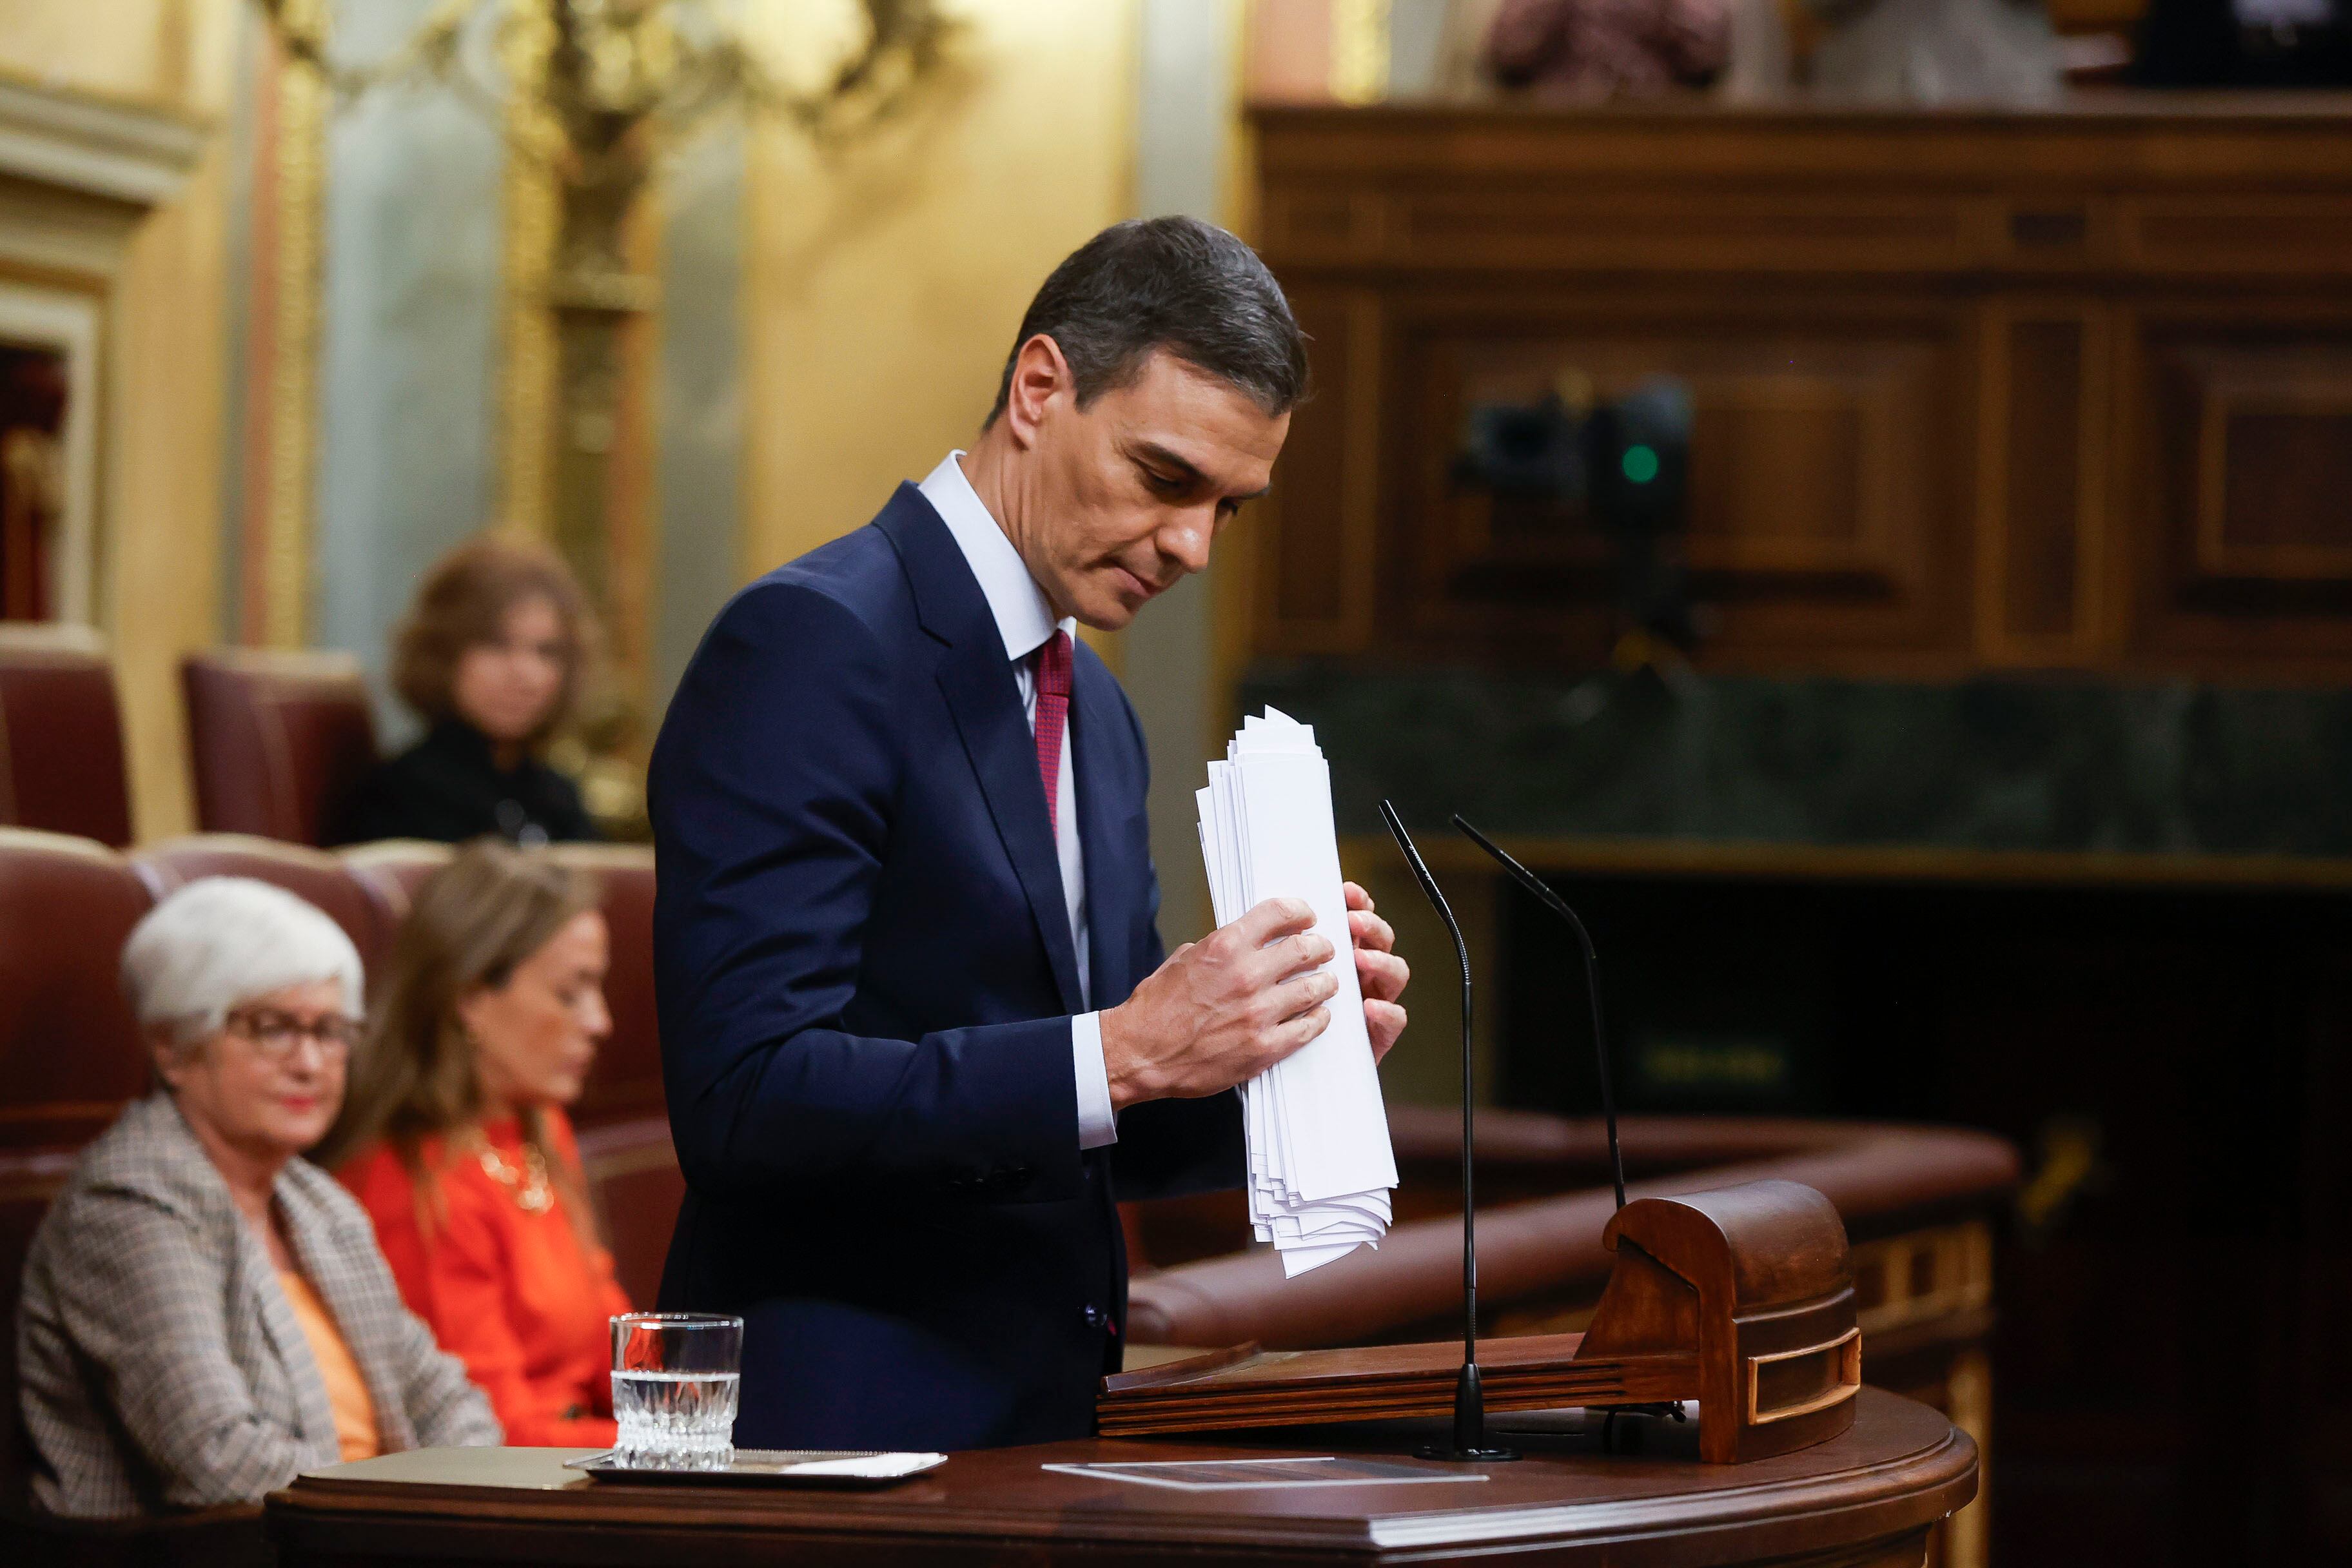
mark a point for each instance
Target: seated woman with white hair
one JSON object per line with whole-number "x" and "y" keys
{"x": 206, "y": 1313}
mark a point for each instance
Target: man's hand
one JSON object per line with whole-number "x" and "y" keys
{"x": 1223, "y": 1009}
{"x": 1381, "y": 974}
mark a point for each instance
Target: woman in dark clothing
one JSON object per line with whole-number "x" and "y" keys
{"x": 490, "y": 659}
{"x": 2245, "y": 44}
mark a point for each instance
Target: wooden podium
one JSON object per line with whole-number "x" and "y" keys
{"x": 1741, "y": 1298}
{"x": 1867, "y": 1498}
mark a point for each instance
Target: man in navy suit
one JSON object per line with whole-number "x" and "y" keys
{"x": 918, "y": 1028}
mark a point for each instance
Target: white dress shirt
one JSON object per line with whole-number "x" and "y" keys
{"x": 1024, "y": 619}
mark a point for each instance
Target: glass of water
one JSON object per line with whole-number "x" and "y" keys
{"x": 675, "y": 1377}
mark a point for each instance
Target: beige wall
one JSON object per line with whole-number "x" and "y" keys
{"x": 135, "y": 49}
{"x": 885, "y": 280}
{"x": 883, "y": 284}
{"x": 161, "y": 520}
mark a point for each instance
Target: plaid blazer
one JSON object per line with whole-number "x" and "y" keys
{"x": 162, "y": 1366}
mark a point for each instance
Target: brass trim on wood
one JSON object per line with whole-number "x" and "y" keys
{"x": 1848, "y": 1346}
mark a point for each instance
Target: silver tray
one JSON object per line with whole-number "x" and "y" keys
{"x": 755, "y": 1468}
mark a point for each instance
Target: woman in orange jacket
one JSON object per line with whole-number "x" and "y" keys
{"x": 454, "y": 1136}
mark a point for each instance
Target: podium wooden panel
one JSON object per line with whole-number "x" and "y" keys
{"x": 1741, "y": 1298}
{"x": 1865, "y": 1499}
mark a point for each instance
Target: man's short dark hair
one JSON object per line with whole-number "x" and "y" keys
{"x": 1172, "y": 283}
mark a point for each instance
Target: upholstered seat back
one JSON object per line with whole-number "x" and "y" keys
{"x": 70, "y": 1053}
{"x": 625, "y": 1084}
{"x": 352, "y": 902}
{"x": 61, "y": 766}
{"x": 278, "y": 739}
{"x": 394, "y": 869}
{"x": 624, "y": 1127}
{"x": 637, "y": 1186}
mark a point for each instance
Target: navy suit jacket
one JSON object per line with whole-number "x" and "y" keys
{"x": 866, "y": 977}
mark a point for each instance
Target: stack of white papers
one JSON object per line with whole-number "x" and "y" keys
{"x": 1320, "y": 1168}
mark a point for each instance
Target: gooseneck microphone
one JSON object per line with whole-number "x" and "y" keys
{"x": 1558, "y": 906}
{"x": 1469, "y": 1401}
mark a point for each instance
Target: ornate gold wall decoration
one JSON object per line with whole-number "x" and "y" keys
{"x": 298, "y": 170}
{"x": 534, "y": 212}
{"x": 586, "y": 91}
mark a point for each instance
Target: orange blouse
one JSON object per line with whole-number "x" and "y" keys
{"x": 520, "y": 1297}
{"x": 348, "y": 1398}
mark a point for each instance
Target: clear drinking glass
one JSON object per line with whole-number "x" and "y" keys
{"x": 675, "y": 1377}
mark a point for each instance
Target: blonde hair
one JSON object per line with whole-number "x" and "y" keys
{"x": 473, "y": 923}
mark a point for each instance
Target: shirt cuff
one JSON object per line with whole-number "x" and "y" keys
{"x": 1097, "y": 1123}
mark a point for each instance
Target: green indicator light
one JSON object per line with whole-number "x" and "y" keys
{"x": 1641, "y": 465}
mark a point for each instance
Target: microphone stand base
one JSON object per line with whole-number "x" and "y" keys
{"x": 1469, "y": 1446}
{"x": 1453, "y": 1454}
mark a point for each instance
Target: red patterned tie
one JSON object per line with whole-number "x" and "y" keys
{"x": 1052, "y": 714}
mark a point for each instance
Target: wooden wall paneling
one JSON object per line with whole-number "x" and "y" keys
{"x": 2126, "y": 578}
{"x": 2275, "y": 469}
{"x": 1315, "y": 534}
{"x": 1332, "y": 222}
{"x": 2134, "y": 346}
{"x": 1444, "y": 541}
{"x": 1795, "y": 472}
{"x": 1361, "y": 497}
{"x": 2260, "y": 150}
{"x": 1822, "y": 515}
{"x": 2045, "y": 388}
{"x": 2286, "y": 231}
{"x": 2239, "y": 466}
{"x": 1587, "y": 227}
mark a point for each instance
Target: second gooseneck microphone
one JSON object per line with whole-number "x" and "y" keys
{"x": 1558, "y": 906}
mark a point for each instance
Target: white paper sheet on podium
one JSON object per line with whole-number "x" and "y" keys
{"x": 1320, "y": 1166}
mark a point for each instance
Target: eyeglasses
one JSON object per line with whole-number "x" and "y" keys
{"x": 274, "y": 1034}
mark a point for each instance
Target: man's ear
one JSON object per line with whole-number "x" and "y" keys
{"x": 1039, "y": 374}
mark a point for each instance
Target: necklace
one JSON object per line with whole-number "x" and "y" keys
{"x": 531, "y": 1190}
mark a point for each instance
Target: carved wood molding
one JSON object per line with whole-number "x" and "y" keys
{"x": 2053, "y": 390}
{"x": 133, "y": 153}
{"x": 2303, "y": 405}
{"x": 77, "y": 172}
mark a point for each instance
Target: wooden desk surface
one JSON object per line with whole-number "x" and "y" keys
{"x": 1865, "y": 1499}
